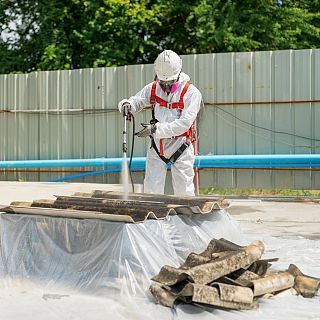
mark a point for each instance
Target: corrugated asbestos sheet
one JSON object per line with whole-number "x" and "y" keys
{"x": 228, "y": 276}
{"x": 111, "y": 206}
{"x": 256, "y": 103}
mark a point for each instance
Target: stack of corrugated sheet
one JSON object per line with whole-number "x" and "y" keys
{"x": 228, "y": 276}
{"x": 111, "y": 206}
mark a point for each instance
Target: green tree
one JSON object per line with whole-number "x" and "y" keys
{"x": 19, "y": 35}
{"x": 246, "y": 25}
{"x": 116, "y": 32}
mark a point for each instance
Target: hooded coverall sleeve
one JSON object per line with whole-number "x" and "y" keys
{"x": 192, "y": 103}
{"x": 140, "y": 100}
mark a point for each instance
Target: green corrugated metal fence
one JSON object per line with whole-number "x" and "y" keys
{"x": 255, "y": 103}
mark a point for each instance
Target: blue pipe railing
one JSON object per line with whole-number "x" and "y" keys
{"x": 284, "y": 160}
{"x": 209, "y": 161}
{"x": 64, "y": 163}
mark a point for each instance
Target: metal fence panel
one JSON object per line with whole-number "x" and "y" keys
{"x": 3, "y": 118}
{"x": 282, "y": 78}
{"x": 263, "y": 116}
{"x": 315, "y": 68}
{"x": 301, "y": 112}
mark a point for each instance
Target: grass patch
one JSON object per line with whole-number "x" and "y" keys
{"x": 260, "y": 192}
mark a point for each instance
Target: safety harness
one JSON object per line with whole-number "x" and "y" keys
{"x": 174, "y": 105}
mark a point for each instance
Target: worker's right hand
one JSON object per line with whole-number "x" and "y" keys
{"x": 124, "y": 107}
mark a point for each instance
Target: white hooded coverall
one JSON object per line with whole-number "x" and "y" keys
{"x": 172, "y": 123}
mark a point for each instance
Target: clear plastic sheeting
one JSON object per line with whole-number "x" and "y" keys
{"x": 57, "y": 268}
{"x": 102, "y": 259}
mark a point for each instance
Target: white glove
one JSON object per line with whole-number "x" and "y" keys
{"x": 124, "y": 107}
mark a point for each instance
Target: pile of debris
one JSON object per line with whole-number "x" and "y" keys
{"x": 111, "y": 206}
{"x": 228, "y": 276}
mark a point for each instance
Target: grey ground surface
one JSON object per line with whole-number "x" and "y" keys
{"x": 28, "y": 191}
{"x": 290, "y": 219}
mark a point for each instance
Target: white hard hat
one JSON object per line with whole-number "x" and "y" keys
{"x": 168, "y": 65}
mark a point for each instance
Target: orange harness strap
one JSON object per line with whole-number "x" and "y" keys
{"x": 174, "y": 105}
{"x": 163, "y": 103}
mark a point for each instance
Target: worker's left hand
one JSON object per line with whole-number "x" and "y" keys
{"x": 148, "y": 130}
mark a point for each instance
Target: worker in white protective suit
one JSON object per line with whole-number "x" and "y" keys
{"x": 175, "y": 104}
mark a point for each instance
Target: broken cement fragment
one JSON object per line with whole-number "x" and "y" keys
{"x": 242, "y": 277}
{"x": 193, "y": 260}
{"x": 219, "y": 246}
{"x": 220, "y": 295}
{"x": 215, "y": 250}
{"x": 305, "y": 285}
{"x": 234, "y": 293}
{"x": 272, "y": 283}
{"x": 163, "y": 296}
{"x": 169, "y": 276}
{"x": 260, "y": 267}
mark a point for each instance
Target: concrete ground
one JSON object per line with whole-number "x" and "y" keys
{"x": 289, "y": 219}
{"x": 28, "y": 191}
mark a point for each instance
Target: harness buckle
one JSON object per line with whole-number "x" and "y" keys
{"x": 169, "y": 105}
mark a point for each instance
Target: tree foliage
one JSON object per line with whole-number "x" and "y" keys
{"x": 68, "y": 34}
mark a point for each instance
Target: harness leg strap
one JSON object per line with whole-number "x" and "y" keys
{"x": 175, "y": 156}
{"x": 154, "y": 146}
{"x": 179, "y": 152}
